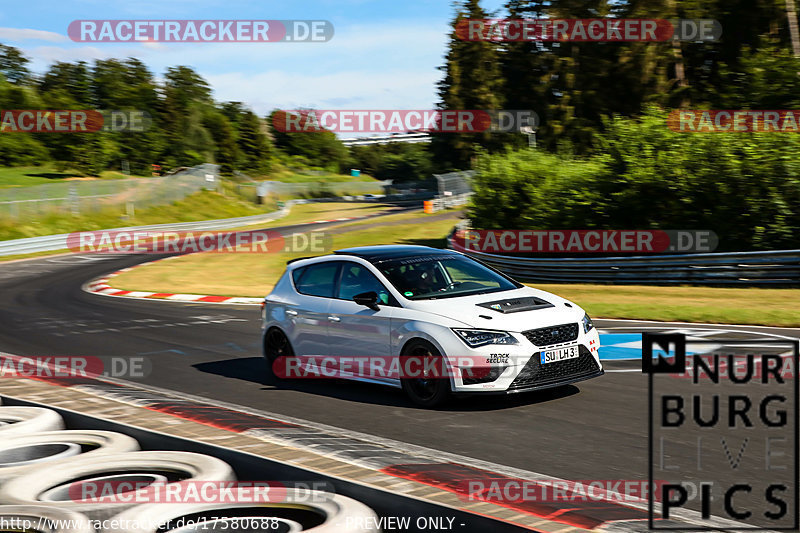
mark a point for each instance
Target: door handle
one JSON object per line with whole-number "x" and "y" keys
{"x": 291, "y": 312}
{"x": 334, "y": 319}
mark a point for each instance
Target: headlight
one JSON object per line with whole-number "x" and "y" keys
{"x": 587, "y": 323}
{"x": 482, "y": 337}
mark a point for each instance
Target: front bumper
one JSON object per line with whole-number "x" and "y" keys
{"x": 534, "y": 387}
{"x": 526, "y": 373}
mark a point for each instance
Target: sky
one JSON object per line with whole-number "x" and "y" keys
{"x": 384, "y": 53}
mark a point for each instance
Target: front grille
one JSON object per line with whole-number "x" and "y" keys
{"x": 552, "y": 334}
{"x": 535, "y": 374}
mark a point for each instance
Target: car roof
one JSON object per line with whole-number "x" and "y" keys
{"x": 377, "y": 254}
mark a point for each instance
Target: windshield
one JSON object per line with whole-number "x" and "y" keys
{"x": 445, "y": 276}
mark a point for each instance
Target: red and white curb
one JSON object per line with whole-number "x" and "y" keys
{"x": 101, "y": 285}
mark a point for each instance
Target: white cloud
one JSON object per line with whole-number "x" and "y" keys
{"x": 43, "y": 56}
{"x": 26, "y": 34}
{"x": 395, "y": 89}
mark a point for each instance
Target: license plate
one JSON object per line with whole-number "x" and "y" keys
{"x": 559, "y": 354}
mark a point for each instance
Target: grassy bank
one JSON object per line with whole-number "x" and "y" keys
{"x": 204, "y": 205}
{"x": 254, "y": 274}
{"x": 28, "y": 176}
{"x": 300, "y": 214}
{"x": 289, "y": 176}
{"x": 766, "y": 307}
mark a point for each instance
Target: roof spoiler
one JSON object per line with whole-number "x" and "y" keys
{"x": 290, "y": 261}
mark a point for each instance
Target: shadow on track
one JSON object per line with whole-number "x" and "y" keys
{"x": 254, "y": 370}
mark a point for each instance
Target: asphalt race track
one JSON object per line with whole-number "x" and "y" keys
{"x": 593, "y": 430}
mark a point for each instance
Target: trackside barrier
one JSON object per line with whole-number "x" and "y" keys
{"x": 50, "y": 243}
{"x": 446, "y": 202}
{"x": 348, "y": 496}
{"x": 780, "y": 267}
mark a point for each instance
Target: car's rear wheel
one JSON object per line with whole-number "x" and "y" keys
{"x": 426, "y": 390}
{"x": 276, "y": 346}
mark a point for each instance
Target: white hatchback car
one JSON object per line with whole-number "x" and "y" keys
{"x": 364, "y": 305}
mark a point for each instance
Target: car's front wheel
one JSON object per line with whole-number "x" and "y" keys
{"x": 276, "y": 346}
{"x": 427, "y": 389}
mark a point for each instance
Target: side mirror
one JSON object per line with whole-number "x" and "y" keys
{"x": 369, "y": 299}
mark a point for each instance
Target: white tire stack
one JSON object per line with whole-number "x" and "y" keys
{"x": 59, "y": 486}
{"x": 26, "y": 420}
{"x": 44, "y": 469}
{"x": 25, "y": 453}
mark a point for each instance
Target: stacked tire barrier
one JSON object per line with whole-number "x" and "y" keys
{"x": 42, "y": 464}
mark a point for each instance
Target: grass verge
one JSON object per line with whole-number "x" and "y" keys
{"x": 288, "y": 176}
{"x": 204, "y": 205}
{"x": 254, "y": 275}
{"x": 27, "y": 176}
{"x": 307, "y": 213}
{"x": 299, "y": 214}
{"x": 716, "y": 305}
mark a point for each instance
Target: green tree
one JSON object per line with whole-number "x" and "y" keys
{"x": 186, "y": 96}
{"x": 222, "y": 132}
{"x": 13, "y": 65}
{"x": 253, "y": 143}
{"x": 472, "y": 80}
{"x": 317, "y": 146}
{"x": 743, "y": 186}
{"x": 766, "y": 79}
{"x": 20, "y": 148}
{"x": 396, "y": 161}
{"x": 70, "y": 80}
{"x": 129, "y": 86}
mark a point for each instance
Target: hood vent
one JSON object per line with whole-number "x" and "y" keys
{"x": 516, "y": 305}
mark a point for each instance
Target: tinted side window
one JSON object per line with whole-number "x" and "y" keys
{"x": 296, "y": 274}
{"x": 317, "y": 280}
{"x": 357, "y": 279}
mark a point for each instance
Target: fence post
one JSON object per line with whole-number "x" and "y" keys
{"x": 73, "y": 200}
{"x": 14, "y": 206}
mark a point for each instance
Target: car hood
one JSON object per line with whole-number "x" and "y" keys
{"x": 516, "y": 310}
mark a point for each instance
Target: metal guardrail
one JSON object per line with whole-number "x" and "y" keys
{"x": 330, "y": 188}
{"x": 735, "y": 268}
{"x": 446, "y": 202}
{"x": 50, "y": 243}
{"x": 419, "y": 137}
{"x": 455, "y": 183}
